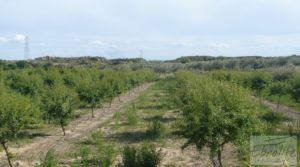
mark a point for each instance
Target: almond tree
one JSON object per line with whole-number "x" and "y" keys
{"x": 295, "y": 88}
{"x": 214, "y": 114}
{"x": 278, "y": 89}
{"x": 91, "y": 93}
{"x": 59, "y": 104}
{"x": 15, "y": 111}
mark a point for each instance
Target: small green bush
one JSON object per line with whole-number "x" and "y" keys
{"x": 143, "y": 156}
{"x": 156, "y": 130}
{"x": 274, "y": 118}
{"x": 132, "y": 117}
{"x": 101, "y": 154}
{"x": 50, "y": 160}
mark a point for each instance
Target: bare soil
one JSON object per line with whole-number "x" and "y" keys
{"x": 285, "y": 110}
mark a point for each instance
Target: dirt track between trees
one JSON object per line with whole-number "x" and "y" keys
{"x": 285, "y": 110}
{"x": 30, "y": 154}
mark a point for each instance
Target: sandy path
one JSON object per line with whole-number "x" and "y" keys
{"x": 287, "y": 111}
{"x": 29, "y": 154}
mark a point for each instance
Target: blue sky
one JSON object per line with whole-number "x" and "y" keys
{"x": 163, "y": 29}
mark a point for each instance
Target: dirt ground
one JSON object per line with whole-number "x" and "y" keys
{"x": 285, "y": 110}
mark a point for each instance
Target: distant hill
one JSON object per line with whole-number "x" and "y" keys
{"x": 205, "y": 63}
{"x": 86, "y": 60}
{"x": 188, "y": 59}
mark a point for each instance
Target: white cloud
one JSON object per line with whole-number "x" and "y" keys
{"x": 219, "y": 46}
{"x": 20, "y": 37}
{"x": 42, "y": 44}
{"x": 98, "y": 43}
{"x": 177, "y": 44}
{"x": 3, "y": 40}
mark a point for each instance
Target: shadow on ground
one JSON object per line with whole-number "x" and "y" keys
{"x": 129, "y": 137}
{"x": 31, "y": 135}
{"x": 161, "y": 119}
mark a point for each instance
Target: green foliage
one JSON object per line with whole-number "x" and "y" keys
{"x": 214, "y": 113}
{"x": 90, "y": 93}
{"x": 30, "y": 93}
{"x": 50, "y": 160}
{"x": 15, "y": 113}
{"x": 279, "y": 89}
{"x": 22, "y": 64}
{"x": 102, "y": 154}
{"x": 156, "y": 130}
{"x": 63, "y": 85}
{"x": 146, "y": 156}
{"x": 132, "y": 117}
{"x": 274, "y": 118}
{"x": 59, "y": 104}
{"x": 281, "y": 86}
{"x": 25, "y": 83}
{"x": 258, "y": 82}
{"x": 84, "y": 154}
{"x": 295, "y": 88}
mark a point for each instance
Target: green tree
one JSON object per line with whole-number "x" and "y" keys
{"x": 91, "y": 93}
{"x": 15, "y": 111}
{"x": 117, "y": 88}
{"x": 59, "y": 104}
{"x": 24, "y": 83}
{"x": 50, "y": 160}
{"x": 258, "y": 82}
{"x": 214, "y": 114}
{"x": 295, "y": 89}
{"x": 278, "y": 89}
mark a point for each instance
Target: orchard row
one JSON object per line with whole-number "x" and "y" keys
{"x": 31, "y": 97}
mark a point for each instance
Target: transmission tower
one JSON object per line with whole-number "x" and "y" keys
{"x": 26, "y": 48}
{"x": 142, "y": 53}
{"x": 142, "y": 57}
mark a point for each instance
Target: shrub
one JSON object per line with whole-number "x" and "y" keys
{"x": 274, "y": 118}
{"x": 102, "y": 154}
{"x": 50, "y": 160}
{"x": 156, "y": 130}
{"x": 145, "y": 156}
{"x": 132, "y": 116}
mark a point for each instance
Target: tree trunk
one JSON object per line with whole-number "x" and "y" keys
{"x": 110, "y": 102}
{"x": 63, "y": 128}
{"x": 216, "y": 159}
{"x": 93, "y": 112}
{"x": 220, "y": 158}
{"x": 278, "y": 102}
{"x": 216, "y": 162}
{"x": 7, "y": 154}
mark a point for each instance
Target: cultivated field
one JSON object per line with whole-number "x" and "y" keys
{"x": 84, "y": 116}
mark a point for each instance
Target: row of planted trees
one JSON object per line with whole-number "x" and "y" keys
{"x": 274, "y": 85}
{"x": 29, "y": 97}
{"x": 214, "y": 113}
